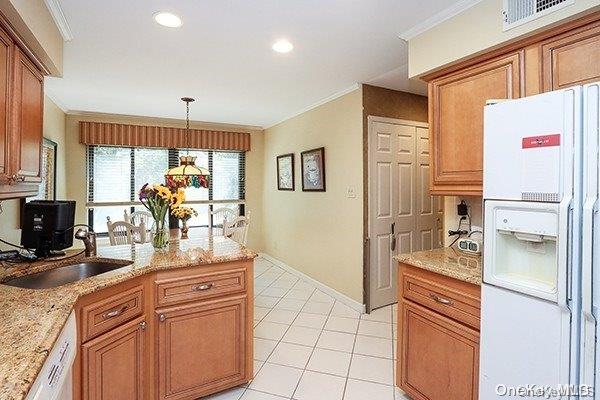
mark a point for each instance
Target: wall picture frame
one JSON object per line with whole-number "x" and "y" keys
{"x": 285, "y": 172}
{"x": 313, "y": 170}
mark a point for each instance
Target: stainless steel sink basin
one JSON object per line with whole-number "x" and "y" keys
{"x": 63, "y": 275}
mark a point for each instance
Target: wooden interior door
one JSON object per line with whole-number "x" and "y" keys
{"x": 430, "y": 209}
{"x": 440, "y": 357}
{"x": 456, "y": 103}
{"x": 113, "y": 364}
{"x": 28, "y": 119}
{"x": 201, "y": 347}
{"x": 399, "y": 197}
{"x": 6, "y": 55}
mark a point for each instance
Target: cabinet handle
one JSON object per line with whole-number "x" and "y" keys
{"x": 162, "y": 317}
{"x": 116, "y": 312}
{"x": 20, "y": 178}
{"x": 440, "y": 300}
{"x": 143, "y": 325}
{"x": 200, "y": 288}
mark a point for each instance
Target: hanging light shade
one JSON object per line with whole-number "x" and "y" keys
{"x": 187, "y": 174}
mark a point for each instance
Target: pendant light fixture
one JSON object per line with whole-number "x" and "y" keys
{"x": 187, "y": 174}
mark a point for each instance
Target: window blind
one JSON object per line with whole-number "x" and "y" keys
{"x": 115, "y": 175}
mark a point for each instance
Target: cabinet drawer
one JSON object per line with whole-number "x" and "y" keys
{"x": 200, "y": 286}
{"x": 101, "y": 316}
{"x": 440, "y": 297}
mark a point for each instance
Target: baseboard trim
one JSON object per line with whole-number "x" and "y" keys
{"x": 355, "y": 305}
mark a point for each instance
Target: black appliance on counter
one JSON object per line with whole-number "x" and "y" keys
{"x": 47, "y": 226}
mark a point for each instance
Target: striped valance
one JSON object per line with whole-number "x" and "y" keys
{"x": 103, "y": 133}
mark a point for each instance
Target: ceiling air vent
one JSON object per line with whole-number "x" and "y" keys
{"x": 518, "y": 12}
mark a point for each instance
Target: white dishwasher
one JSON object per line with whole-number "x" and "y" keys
{"x": 54, "y": 382}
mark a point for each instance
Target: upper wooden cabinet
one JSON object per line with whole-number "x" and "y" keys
{"x": 572, "y": 58}
{"x": 563, "y": 56}
{"x": 456, "y": 103}
{"x": 21, "y": 121}
{"x": 6, "y": 51}
{"x": 28, "y": 116}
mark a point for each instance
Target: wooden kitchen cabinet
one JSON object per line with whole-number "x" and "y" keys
{"x": 438, "y": 336}
{"x": 557, "y": 58}
{"x": 456, "y": 103}
{"x": 572, "y": 58}
{"x": 113, "y": 364}
{"x": 21, "y": 120}
{"x": 196, "y": 341}
{"x": 28, "y": 104}
{"x": 6, "y": 52}
{"x": 201, "y": 348}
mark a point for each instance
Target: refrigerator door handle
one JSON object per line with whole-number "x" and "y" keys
{"x": 589, "y": 209}
{"x": 562, "y": 291}
{"x": 588, "y": 331}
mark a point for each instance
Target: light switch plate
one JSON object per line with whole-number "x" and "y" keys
{"x": 351, "y": 192}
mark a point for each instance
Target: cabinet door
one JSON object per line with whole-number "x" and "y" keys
{"x": 572, "y": 59}
{"x": 456, "y": 105}
{"x": 113, "y": 364}
{"x": 439, "y": 358}
{"x": 28, "y": 115}
{"x": 201, "y": 348}
{"x": 6, "y": 55}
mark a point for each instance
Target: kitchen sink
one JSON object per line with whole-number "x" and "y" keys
{"x": 67, "y": 274}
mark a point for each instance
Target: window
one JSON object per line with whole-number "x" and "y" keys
{"x": 115, "y": 175}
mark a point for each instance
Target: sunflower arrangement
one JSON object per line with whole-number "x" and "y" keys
{"x": 184, "y": 213}
{"x": 159, "y": 199}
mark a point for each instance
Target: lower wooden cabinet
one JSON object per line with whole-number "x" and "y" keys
{"x": 440, "y": 358}
{"x": 201, "y": 348}
{"x": 179, "y": 334}
{"x": 113, "y": 364}
{"x": 438, "y": 336}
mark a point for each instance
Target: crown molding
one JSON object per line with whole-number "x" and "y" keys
{"x": 59, "y": 19}
{"x": 334, "y": 96}
{"x": 437, "y": 19}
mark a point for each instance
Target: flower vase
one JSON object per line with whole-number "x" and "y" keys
{"x": 184, "y": 229}
{"x": 160, "y": 237}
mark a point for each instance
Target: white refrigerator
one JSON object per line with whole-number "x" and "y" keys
{"x": 541, "y": 268}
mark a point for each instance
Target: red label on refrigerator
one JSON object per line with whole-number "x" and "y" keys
{"x": 541, "y": 141}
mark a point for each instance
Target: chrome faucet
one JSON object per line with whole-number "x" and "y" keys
{"x": 89, "y": 241}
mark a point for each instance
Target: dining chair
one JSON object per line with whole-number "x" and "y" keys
{"x": 121, "y": 232}
{"x": 136, "y": 218}
{"x": 237, "y": 229}
{"x": 220, "y": 215}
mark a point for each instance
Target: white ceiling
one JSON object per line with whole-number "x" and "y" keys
{"x": 120, "y": 61}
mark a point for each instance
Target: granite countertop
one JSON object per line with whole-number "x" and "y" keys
{"x": 446, "y": 261}
{"x": 31, "y": 319}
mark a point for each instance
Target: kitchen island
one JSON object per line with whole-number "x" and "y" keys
{"x": 32, "y": 319}
{"x": 439, "y": 301}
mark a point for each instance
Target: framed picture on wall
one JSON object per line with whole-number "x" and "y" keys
{"x": 285, "y": 172}
{"x": 47, "y": 186}
{"x": 313, "y": 170}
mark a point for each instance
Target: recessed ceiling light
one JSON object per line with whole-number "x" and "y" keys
{"x": 167, "y": 19}
{"x": 282, "y": 46}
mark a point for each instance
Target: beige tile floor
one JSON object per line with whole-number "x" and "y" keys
{"x": 308, "y": 346}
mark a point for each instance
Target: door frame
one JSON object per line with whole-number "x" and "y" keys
{"x": 371, "y": 120}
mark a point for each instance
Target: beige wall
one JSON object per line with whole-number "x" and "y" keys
{"x": 475, "y": 30}
{"x": 451, "y": 218}
{"x": 76, "y": 185}
{"x": 54, "y": 129}
{"x": 319, "y": 234}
